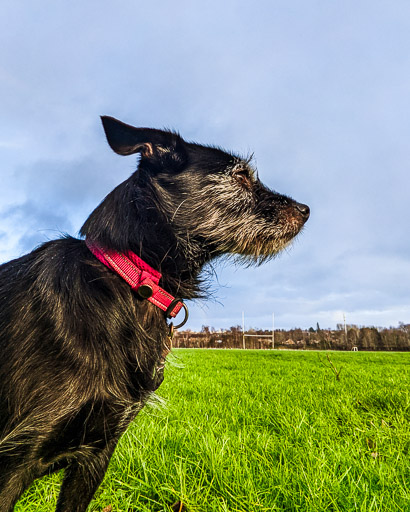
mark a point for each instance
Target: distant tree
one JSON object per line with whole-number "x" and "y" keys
{"x": 352, "y": 338}
{"x": 370, "y": 339}
{"x": 235, "y": 334}
{"x": 365, "y": 338}
{"x": 404, "y": 327}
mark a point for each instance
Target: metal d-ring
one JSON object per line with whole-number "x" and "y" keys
{"x": 171, "y": 307}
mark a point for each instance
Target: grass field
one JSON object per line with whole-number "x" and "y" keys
{"x": 263, "y": 431}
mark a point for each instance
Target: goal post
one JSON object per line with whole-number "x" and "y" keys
{"x": 244, "y": 335}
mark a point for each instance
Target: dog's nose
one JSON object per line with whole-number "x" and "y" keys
{"x": 304, "y": 210}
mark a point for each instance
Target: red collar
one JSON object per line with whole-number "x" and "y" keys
{"x": 140, "y": 276}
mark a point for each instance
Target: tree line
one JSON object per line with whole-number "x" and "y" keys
{"x": 350, "y": 337}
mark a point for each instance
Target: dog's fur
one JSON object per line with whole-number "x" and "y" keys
{"x": 80, "y": 352}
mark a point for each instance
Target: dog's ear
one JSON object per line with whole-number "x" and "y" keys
{"x": 125, "y": 139}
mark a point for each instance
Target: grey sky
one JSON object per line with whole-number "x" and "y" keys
{"x": 319, "y": 91}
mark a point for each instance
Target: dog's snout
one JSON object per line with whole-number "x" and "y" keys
{"x": 304, "y": 210}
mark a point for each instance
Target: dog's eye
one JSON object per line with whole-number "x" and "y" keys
{"x": 243, "y": 178}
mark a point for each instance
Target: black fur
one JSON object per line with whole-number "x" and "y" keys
{"x": 80, "y": 352}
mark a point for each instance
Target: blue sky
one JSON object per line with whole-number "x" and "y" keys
{"x": 319, "y": 91}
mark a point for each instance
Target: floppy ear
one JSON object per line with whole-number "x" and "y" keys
{"x": 125, "y": 139}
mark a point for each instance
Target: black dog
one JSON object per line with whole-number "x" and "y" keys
{"x": 82, "y": 345}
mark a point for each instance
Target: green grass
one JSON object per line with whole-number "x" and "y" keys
{"x": 263, "y": 431}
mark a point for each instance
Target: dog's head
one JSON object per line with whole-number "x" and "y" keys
{"x": 206, "y": 195}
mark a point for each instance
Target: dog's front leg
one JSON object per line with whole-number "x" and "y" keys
{"x": 82, "y": 478}
{"x": 14, "y": 480}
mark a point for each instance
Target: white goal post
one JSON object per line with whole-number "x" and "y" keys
{"x": 271, "y": 336}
